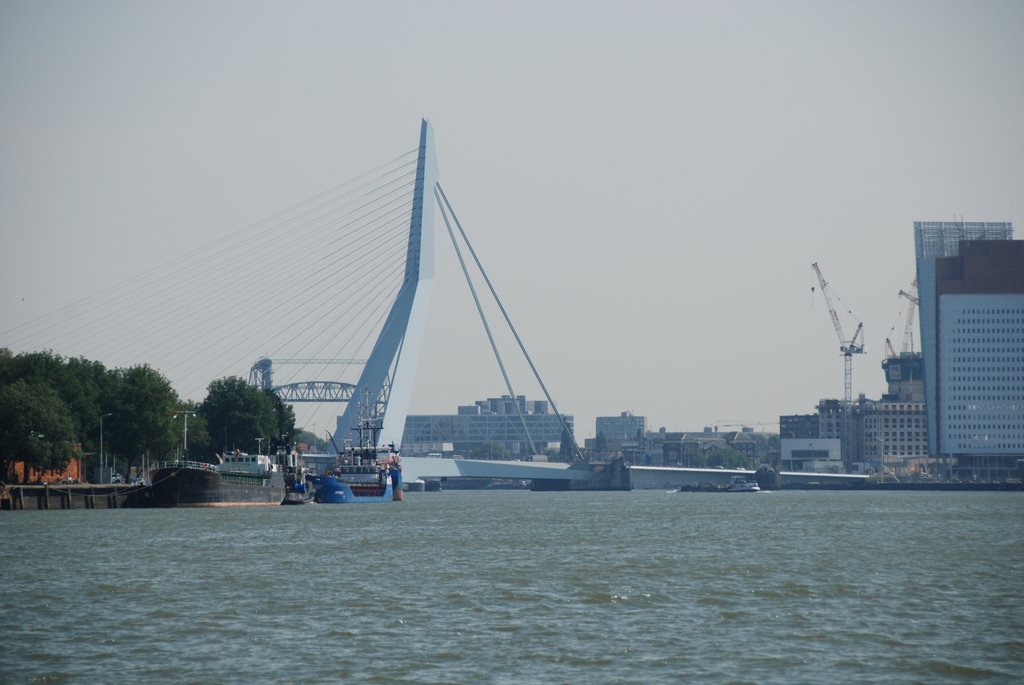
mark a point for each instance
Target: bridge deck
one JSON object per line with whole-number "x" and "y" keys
{"x": 434, "y": 467}
{"x": 674, "y": 476}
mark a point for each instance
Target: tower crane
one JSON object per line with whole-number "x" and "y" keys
{"x": 854, "y": 345}
{"x": 908, "y": 333}
{"x": 888, "y": 346}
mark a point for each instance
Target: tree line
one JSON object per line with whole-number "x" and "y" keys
{"x": 53, "y": 409}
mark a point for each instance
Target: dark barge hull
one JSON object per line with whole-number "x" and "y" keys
{"x": 189, "y": 487}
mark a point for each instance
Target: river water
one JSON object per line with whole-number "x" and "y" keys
{"x": 521, "y": 587}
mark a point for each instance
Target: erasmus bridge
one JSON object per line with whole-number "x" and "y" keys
{"x": 384, "y": 384}
{"x": 383, "y": 387}
{"x": 329, "y": 297}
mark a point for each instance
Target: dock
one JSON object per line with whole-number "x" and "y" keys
{"x": 64, "y": 496}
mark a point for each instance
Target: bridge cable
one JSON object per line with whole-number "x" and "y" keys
{"x": 80, "y": 307}
{"x": 483, "y": 318}
{"x": 283, "y": 304}
{"x": 508, "y": 320}
{"x": 201, "y": 286}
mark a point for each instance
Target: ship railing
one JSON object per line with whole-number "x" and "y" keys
{"x": 184, "y": 464}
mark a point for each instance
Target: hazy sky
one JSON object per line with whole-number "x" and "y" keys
{"x": 648, "y": 183}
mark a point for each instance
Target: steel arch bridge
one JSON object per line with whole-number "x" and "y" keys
{"x": 315, "y": 391}
{"x": 261, "y": 375}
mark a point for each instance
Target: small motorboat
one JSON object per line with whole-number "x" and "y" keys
{"x": 741, "y": 484}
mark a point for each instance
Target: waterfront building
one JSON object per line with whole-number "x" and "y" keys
{"x": 798, "y": 426}
{"x": 491, "y": 421}
{"x": 904, "y": 375}
{"x": 895, "y": 436}
{"x": 691, "y": 448}
{"x": 624, "y": 430}
{"x": 885, "y": 434}
{"x": 832, "y": 419}
{"x": 820, "y": 455}
{"x": 971, "y": 293}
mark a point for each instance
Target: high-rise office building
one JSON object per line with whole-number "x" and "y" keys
{"x": 971, "y": 293}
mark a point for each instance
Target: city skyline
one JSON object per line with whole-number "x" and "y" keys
{"x": 647, "y": 186}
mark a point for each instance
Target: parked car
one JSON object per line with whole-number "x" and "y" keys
{"x": 117, "y": 478}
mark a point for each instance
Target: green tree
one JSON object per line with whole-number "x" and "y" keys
{"x": 285, "y": 416}
{"x": 87, "y": 388}
{"x": 84, "y": 386}
{"x": 694, "y": 456}
{"x": 141, "y": 421}
{"x": 238, "y": 413}
{"x": 600, "y": 442}
{"x": 319, "y": 444}
{"x": 35, "y": 426}
{"x": 726, "y": 457}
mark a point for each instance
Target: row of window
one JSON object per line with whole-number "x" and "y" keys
{"x": 871, "y": 425}
{"x": 997, "y": 310}
{"x": 911, "y": 409}
{"x": 959, "y": 349}
{"x": 974, "y": 442}
{"x": 981, "y": 335}
{"x": 887, "y": 436}
{"x": 1013, "y": 425}
{"x": 903, "y": 452}
{"x": 995, "y": 379}
{"x": 987, "y": 403}
{"x": 991, "y": 320}
{"x": 1017, "y": 391}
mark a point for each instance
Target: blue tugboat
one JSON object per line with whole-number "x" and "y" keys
{"x": 366, "y": 473}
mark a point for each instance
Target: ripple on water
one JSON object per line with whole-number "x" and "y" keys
{"x": 522, "y": 587}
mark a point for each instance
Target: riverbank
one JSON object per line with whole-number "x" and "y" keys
{"x": 64, "y": 496}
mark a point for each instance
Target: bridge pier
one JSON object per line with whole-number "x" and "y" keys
{"x": 611, "y": 476}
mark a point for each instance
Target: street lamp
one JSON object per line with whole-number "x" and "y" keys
{"x": 184, "y": 437}
{"x": 101, "y": 445}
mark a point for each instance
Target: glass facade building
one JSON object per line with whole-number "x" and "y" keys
{"x": 971, "y": 291}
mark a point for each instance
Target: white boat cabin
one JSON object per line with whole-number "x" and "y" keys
{"x": 240, "y": 462}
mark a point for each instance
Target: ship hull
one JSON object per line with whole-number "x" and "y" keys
{"x": 330, "y": 490}
{"x": 191, "y": 487}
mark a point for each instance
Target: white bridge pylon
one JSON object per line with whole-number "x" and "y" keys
{"x": 384, "y": 388}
